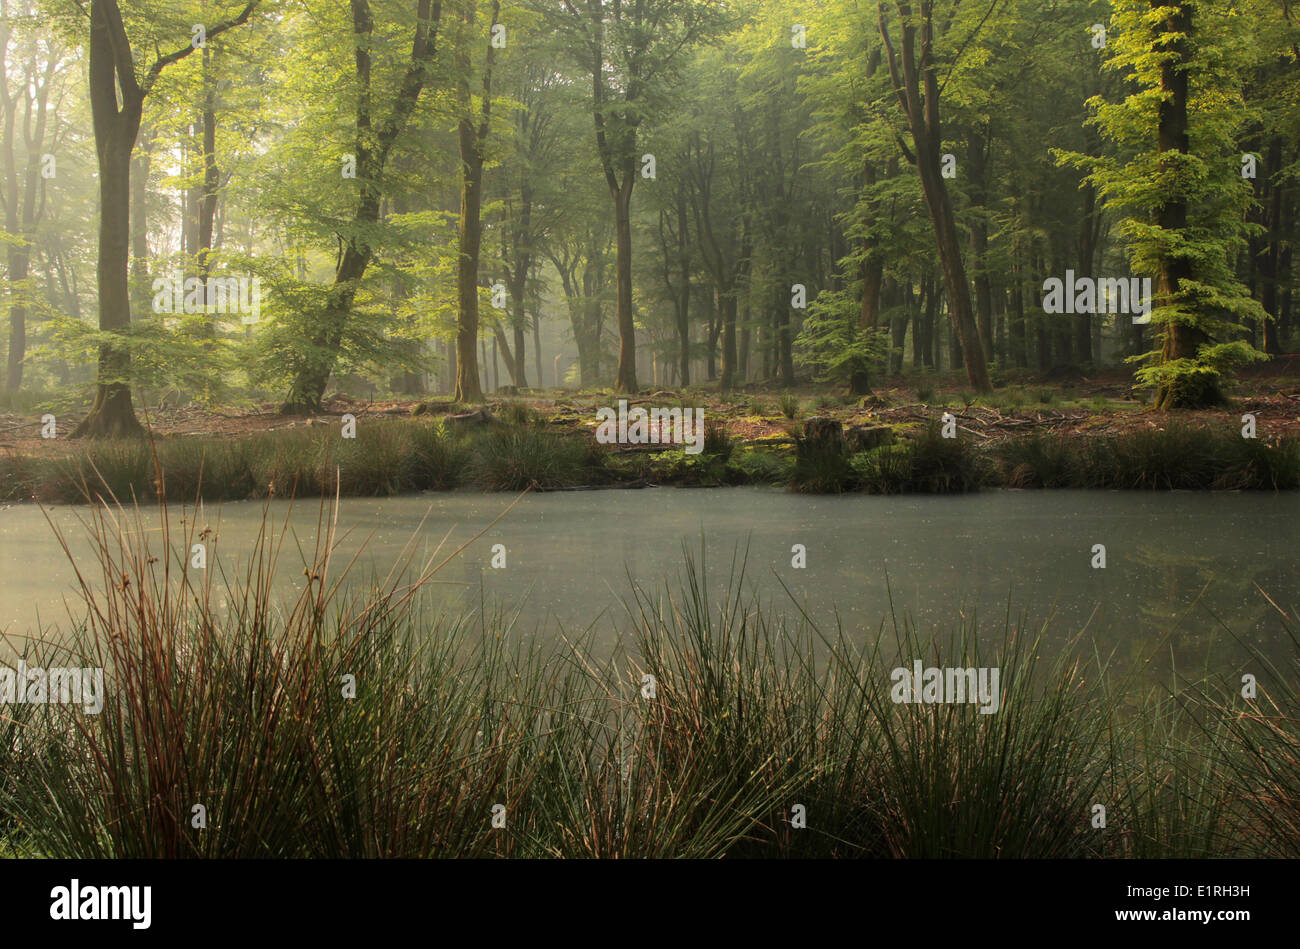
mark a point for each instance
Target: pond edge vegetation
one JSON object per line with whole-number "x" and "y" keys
{"x": 523, "y": 451}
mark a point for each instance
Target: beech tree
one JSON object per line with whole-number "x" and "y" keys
{"x": 1180, "y": 196}
{"x": 113, "y": 77}
{"x": 914, "y": 73}
{"x": 375, "y": 139}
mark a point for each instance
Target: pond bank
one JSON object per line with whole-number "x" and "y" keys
{"x": 389, "y": 457}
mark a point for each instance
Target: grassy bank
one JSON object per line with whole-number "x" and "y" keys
{"x": 393, "y": 457}
{"x": 221, "y": 697}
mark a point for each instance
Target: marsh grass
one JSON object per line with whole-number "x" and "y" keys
{"x": 223, "y": 697}
{"x": 512, "y": 459}
{"x": 1174, "y": 457}
{"x": 1260, "y": 769}
{"x": 926, "y": 463}
{"x": 821, "y": 466}
{"x": 225, "y": 694}
{"x": 391, "y": 457}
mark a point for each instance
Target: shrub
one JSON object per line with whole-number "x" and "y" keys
{"x": 518, "y": 458}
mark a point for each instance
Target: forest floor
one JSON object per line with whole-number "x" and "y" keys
{"x": 757, "y": 414}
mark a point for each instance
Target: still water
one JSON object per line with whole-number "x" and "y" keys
{"x": 1181, "y": 568}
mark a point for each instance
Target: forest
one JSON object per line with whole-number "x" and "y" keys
{"x": 275, "y": 202}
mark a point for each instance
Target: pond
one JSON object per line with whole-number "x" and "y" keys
{"x": 1187, "y": 566}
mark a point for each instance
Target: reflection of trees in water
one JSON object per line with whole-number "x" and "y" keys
{"x": 1200, "y": 605}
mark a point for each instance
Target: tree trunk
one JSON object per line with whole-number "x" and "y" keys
{"x": 372, "y": 151}
{"x": 684, "y": 294}
{"x": 923, "y": 120}
{"x": 978, "y": 150}
{"x": 23, "y": 213}
{"x": 112, "y": 413}
{"x": 1016, "y": 331}
{"x": 1181, "y": 340}
{"x": 207, "y": 209}
{"x": 1087, "y": 258}
{"x": 468, "y": 387}
{"x": 625, "y": 380}
{"x": 728, "y": 300}
{"x": 1267, "y": 261}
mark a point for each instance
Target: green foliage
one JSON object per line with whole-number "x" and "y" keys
{"x": 831, "y": 344}
{"x": 1138, "y": 181}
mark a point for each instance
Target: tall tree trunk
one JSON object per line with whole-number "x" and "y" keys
{"x": 1181, "y": 340}
{"x": 207, "y": 205}
{"x": 112, "y": 413}
{"x": 140, "y": 257}
{"x": 625, "y": 379}
{"x": 1267, "y": 260}
{"x": 1087, "y": 258}
{"x": 978, "y": 151}
{"x": 537, "y": 346}
{"x": 372, "y": 148}
{"x": 471, "y": 139}
{"x": 684, "y": 293}
{"x": 923, "y": 120}
{"x": 23, "y": 213}
{"x": 1019, "y": 354}
{"x": 727, "y": 297}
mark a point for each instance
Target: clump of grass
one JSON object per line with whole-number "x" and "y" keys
{"x": 717, "y": 441}
{"x": 789, "y": 404}
{"x": 519, "y": 413}
{"x": 821, "y": 466}
{"x": 513, "y": 459}
{"x": 293, "y": 463}
{"x": 439, "y": 458}
{"x": 1172, "y": 805}
{"x": 1045, "y": 396}
{"x": 927, "y": 463}
{"x": 244, "y": 710}
{"x": 112, "y": 468}
{"x": 1261, "y": 738}
{"x": 826, "y": 402}
{"x": 1038, "y": 461}
{"x": 378, "y": 462}
{"x": 1192, "y": 457}
{"x": 925, "y": 394}
{"x": 20, "y": 476}
{"x": 1015, "y": 783}
{"x": 211, "y": 469}
{"x": 768, "y": 715}
{"x": 1175, "y": 457}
